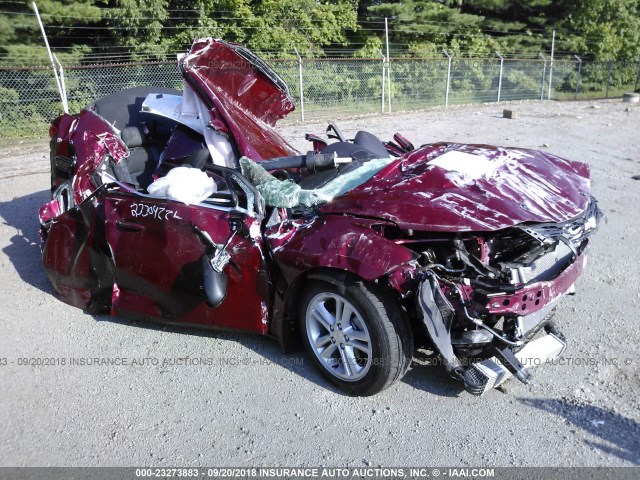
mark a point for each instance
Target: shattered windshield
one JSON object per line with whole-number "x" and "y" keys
{"x": 286, "y": 194}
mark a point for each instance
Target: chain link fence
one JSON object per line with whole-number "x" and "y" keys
{"x": 328, "y": 88}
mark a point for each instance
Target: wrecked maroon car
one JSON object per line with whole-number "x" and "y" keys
{"x": 188, "y": 207}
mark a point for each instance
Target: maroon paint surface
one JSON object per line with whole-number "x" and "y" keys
{"x": 156, "y": 253}
{"x": 536, "y": 187}
{"x": 66, "y": 256}
{"x": 534, "y": 297}
{"x": 334, "y": 241}
{"x": 245, "y": 102}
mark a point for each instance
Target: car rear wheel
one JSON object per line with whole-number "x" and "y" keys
{"x": 355, "y": 335}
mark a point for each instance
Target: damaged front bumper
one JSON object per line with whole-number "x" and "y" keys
{"x": 492, "y": 372}
{"x": 536, "y": 296}
{"x": 496, "y": 354}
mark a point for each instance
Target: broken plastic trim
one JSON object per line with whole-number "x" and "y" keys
{"x": 215, "y": 281}
{"x": 490, "y": 373}
{"x": 437, "y": 316}
{"x": 64, "y": 196}
{"x": 286, "y": 194}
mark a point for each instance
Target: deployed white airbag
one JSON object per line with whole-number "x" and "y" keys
{"x": 184, "y": 184}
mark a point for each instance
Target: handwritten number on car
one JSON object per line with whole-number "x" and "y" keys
{"x": 144, "y": 210}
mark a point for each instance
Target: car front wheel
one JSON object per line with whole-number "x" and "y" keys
{"x": 355, "y": 335}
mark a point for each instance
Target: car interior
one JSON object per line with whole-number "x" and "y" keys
{"x": 157, "y": 144}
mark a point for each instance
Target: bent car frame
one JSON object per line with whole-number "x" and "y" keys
{"x": 189, "y": 208}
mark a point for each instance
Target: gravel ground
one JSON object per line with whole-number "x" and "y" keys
{"x": 255, "y": 406}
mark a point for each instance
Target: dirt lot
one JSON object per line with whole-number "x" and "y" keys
{"x": 254, "y": 406}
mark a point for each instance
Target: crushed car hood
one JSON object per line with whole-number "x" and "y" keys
{"x": 454, "y": 188}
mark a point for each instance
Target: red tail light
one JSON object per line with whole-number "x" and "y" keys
{"x": 53, "y": 131}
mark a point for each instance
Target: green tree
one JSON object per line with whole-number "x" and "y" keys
{"x": 424, "y": 27}
{"x": 593, "y": 28}
{"x": 21, "y": 42}
{"x": 308, "y": 25}
{"x": 477, "y": 27}
{"x": 138, "y": 24}
{"x": 521, "y": 26}
{"x": 606, "y": 30}
{"x": 275, "y": 27}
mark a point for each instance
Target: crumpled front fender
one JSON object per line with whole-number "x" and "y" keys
{"x": 327, "y": 248}
{"x": 334, "y": 241}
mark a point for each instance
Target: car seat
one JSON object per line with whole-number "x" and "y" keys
{"x": 144, "y": 134}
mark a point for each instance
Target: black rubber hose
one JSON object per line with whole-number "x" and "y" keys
{"x": 296, "y": 161}
{"x": 311, "y": 161}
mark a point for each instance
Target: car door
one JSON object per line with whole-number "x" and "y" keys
{"x": 162, "y": 249}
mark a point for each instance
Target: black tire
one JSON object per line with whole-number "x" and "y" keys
{"x": 390, "y": 340}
